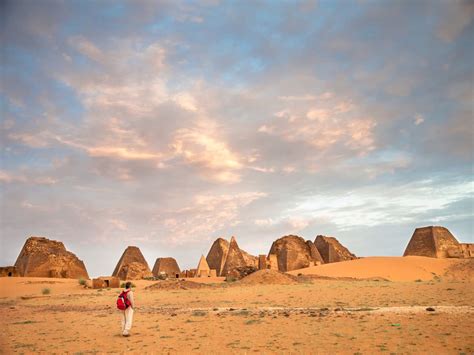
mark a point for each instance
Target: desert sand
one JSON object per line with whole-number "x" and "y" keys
{"x": 410, "y": 268}
{"x": 345, "y": 307}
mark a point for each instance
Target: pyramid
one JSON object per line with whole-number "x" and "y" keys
{"x": 432, "y": 241}
{"x": 314, "y": 252}
{"x": 250, "y": 260}
{"x": 42, "y": 257}
{"x": 293, "y": 252}
{"x": 234, "y": 259}
{"x": 132, "y": 265}
{"x": 203, "y": 268}
{"x": 218, "y": 254}
{"x": 331, "y": 250}
{"x": 169, "y": 266}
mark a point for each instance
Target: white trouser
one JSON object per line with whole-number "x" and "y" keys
{"x": 127, "y": 318}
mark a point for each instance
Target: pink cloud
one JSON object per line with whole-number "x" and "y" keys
{"x": 204, "y": 149}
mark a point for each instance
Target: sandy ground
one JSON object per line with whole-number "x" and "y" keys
{"x": 408, "y": 268}
{"x": 312, "y": 316}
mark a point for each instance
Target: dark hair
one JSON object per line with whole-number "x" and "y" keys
{"x": 128, "y": 285}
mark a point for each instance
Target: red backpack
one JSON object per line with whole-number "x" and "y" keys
{"x": 122, "y": 301}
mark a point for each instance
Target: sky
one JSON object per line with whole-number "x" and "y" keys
{"x": 168, "y": 124}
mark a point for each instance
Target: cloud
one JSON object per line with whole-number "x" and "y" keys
{"x": 457, "y": 15}
{"x": 170, "y": 125}
{"x": 9, "y": 177}
{"x": 324, "y": 128}
{"x": 419, "y": 119}
{"x": 205, "y": 216}
{"x": 264, "y": 222}
{"x": 202, "y": 148}
{"x": 87, "y": 48}
{"x": 113, "y": 151}
{"x": 375, "y": 205}
{"x": 186, "y": 101}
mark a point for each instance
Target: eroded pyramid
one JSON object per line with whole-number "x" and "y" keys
{"x": 314, "y": 252}
{"x": 293, "y": 253}
{"x": 432, "y": 241}
{"x": 235, "y": 259}
{"x": 169, "y": 266}
{"x": 42, "y": 257}
{"x": 217, "y": 255}
{"x": 331, "y": 250}
{"x": 132, "y": 265}
{"x": 219, "y": 252}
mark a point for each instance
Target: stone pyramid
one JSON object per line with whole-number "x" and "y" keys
{"x": 432, "y": 241}
{"x": 234, "y": 259}
{"x": 293, "y": 252}
{"x": 217, "y": 255}
{"x": 42, "y": 257}
{"x": 132, "y": 265}
{"x": 169, "y": 266}
{"x": 203, "y": 267}
{"x": 314, "y": 252}
{"x": 331, "y": 250}
{"x": 250, "y": 260}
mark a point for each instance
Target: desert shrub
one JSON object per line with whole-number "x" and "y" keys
{"x": 198, "y": 313}
{"x": 82, "y": 281}
{"x": 242, "y": 312}
{"x": 230, "y": 279}
{"x": 25, "y": 322}
{"x": 46, "y": 291}
{"x": 123, "y": 285}
{"x": 252, "y": 321}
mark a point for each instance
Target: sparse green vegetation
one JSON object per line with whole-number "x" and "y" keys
{"x": 252, "y": 321}
{"x": 82, "y": 281}
{"x": 123, "y": 285}
{"x": 242, "y": 312}
{"x": 25, "y": 322}
{"x": 150, "y": 278}
{"x": 46, "y": 291}
{"x": 199, "y": 313}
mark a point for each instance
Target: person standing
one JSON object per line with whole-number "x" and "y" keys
{"x": 127, "y": 314}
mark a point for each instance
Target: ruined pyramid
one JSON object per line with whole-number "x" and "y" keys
{"x": 331, "y": 250}
{"x": 294, "y": 253}
{"x": 235, "y": 259}
{"x": 314, "y": 252}
{"x": 217, "y": 255}
{"x": 132, "y": 265}
{"x": 42, "y": 257}
{"x": 169, "y": 266}
{"x": 219, "y": 252}
{"x": 434, "y": 242}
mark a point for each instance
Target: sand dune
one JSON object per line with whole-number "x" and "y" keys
{"x": 408, "y": 268}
